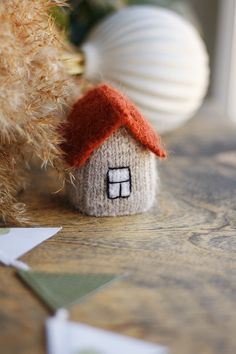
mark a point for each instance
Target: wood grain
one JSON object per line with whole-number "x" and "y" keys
{"x": 180, "y": 259}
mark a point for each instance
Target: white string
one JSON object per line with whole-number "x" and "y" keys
{"x": 13, "y": 262}
{"x": 58, "y": 341}
{"x": 20, "y": 265}
{"x": 62, "y": 314}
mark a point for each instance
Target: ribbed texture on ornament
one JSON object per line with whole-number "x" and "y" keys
{"x": 154, "y": 56}
{"x": 90, "y": 191}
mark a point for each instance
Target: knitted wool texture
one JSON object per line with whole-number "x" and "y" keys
{"x": 110, "y": 145}
{"x": 89, "y": 193}
{"x": 96, "y": 116}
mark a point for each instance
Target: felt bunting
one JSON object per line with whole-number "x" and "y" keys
{"x": 66, "y": 337}
{"x": 62, "y": 290}
{"x": 15, "y": 242}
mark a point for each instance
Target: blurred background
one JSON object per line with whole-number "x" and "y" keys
{"x": 214, "y": 21}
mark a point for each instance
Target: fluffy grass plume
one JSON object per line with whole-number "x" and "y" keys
{"x": 35, "y": 95}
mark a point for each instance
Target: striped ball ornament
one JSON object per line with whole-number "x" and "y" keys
{"x": 155, "y": 57}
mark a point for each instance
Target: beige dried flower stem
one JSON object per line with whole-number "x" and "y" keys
{"x": 74, "y": 62}
{"x": 36, "y": 94}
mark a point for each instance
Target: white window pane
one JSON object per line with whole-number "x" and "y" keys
{"x": 125, "y": 189}
{"x": 118, "y": 174}
{"x": 114, "y": 190}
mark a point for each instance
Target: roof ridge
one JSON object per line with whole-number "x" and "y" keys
{"x": 99, "y": 113}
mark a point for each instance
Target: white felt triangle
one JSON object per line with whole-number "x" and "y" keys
{"x": 66, "y": 337}
{"x": 15, "y": 242}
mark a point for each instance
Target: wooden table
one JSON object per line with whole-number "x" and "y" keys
{"x": 181, "y": 288}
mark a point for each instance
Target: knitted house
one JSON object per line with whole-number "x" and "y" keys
{"x": 111, "y": 149}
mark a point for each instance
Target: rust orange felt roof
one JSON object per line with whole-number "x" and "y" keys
{"x": 96, "y": 116}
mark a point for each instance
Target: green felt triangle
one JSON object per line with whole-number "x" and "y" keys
{"x": 62, "y": 290}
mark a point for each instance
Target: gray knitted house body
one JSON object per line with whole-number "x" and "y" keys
{"x": 114, "y": 168}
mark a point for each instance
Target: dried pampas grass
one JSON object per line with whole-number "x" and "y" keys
{"x": 35, "y": 95}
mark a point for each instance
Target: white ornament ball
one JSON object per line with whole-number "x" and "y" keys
{"x": 155, "y": 57}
